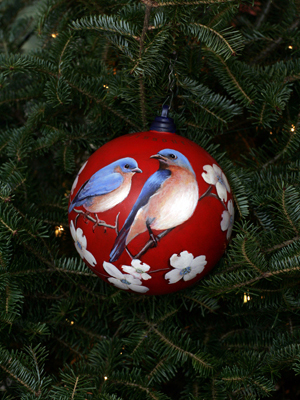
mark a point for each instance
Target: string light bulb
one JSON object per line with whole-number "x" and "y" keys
{"x": 54, "y": 35}
{"x": 246, "y": 298}
{"x": 290, "y": 47}
{"x": 105, "y": 378}
{"x": 59, "y": 230}
{"x": 293, "y": 128}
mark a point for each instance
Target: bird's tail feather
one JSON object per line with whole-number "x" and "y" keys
{"x": 72, "y": 205}
{"x": 119, "y": 245}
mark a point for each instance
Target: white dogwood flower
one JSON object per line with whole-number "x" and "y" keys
{"x": 81, "y": 244}
{"x": 186, "y": 267}
{"x": 215, "y": 176}
{"x": 137, "y": 269}
{"x": 123, "y": 281}
{"x": 228, "y": 219}
{"x": 76, "y": 179}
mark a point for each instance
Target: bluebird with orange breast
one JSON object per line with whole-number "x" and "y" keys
{"x": 168, "y": 198}
{"x": 107, "y": 187}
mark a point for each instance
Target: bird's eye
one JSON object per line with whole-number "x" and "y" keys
{"x": 127, "y": 166}
{"x": 172, "y": 156}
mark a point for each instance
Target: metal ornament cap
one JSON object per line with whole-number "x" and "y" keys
{"x": 163, "y": 123}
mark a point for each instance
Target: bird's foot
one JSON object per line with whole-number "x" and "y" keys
{"x": 153, "y": 237}
{"x": 98, "y": 222}
{"x": 85, "y": 217}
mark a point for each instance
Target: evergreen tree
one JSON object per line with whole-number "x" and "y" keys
{"x": 75, "y": 74}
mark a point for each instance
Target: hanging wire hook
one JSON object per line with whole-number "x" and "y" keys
{"x": 171, "y": 80}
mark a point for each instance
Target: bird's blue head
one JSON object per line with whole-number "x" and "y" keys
{"x": 128, "y": 165}
{"x": 168, "y": 157}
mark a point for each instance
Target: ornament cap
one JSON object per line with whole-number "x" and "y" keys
{"x": 163, "y": 123}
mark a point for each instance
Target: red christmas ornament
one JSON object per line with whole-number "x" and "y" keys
{"x": 151, "y": 212}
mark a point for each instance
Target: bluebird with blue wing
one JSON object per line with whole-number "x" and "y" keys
{"x": 107, "y": 187}
{"x": 168, "y": 198}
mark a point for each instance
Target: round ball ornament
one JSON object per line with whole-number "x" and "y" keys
{"x": 151, "y": 212}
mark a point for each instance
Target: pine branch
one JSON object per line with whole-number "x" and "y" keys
{"x": 281, "y": 245}
{"x": 225, "y": 43}
{"x": 16, "y": 378}
{"x": 233, "y": 79}
{"x": 191, "y": 3}
{"x": 104, "y": 23}
{"x": 283, "y": 201}
{"x": 102, "y": 104}
{"x": 207, "y": 366}
{"x": 243, "y": 247}
{"x": 143, "y": 102}
{"x": 146, "y": 390}
{"x": 263, "y": 14}
{"x": 149, "y": 5}
{"x": 273, "y": 46}
{"x": 201, "y": 303}
{"x": 293, "y": 137}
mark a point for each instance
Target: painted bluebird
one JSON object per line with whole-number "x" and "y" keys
{"x": 168, "y": 198}
{"x": 107, "y": 187}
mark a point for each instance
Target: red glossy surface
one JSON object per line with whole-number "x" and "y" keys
{"x": 200, "y": 235}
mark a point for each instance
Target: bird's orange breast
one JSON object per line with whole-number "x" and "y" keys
{"x": 107, "y": 201}
{"x": 171, "y": 205}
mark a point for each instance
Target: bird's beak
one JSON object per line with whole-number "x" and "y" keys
{"x": 137, "y": 170}
{"x": 159, "y": 157}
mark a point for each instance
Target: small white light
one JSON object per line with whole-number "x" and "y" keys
{"x": 246, "y": 298}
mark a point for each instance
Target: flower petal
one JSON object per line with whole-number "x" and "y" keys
{"x": 79, "y": 249}
{"x": 73, "y": 231}
{"x": 140, "y": 289}
{"x": 225, "y": 220}
{"x": 77, "y": 176}
{"x": 173, "y": 276}
{"x": 74, "y": 184}
{"x": 89, "y": 257}
{"x": 82, "y": 168}
{"x": 217, "y": 170}
{"x": 225, "y": 182}
{"x": 132, "y": 280}
{"x": 222, "y": 191}
{"x": 81, "y": 238}
{"x": 209, "y": 176}
{"x": 129, "y": 270}
{"x": 190, "y": 275}
{"x": 118, "y": 283}
{"x": 182, "y": 261}
{"x": 198, "y": 264}
{"x": 230, "y": 207}
{"x": 146, "y": 276}
{"x": 112, "y": 270}
{"x": 229, "y": 231}
{"x": 137, "y": 264}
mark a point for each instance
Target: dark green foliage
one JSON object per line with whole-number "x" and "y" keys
{"x": 74, "y": 75}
